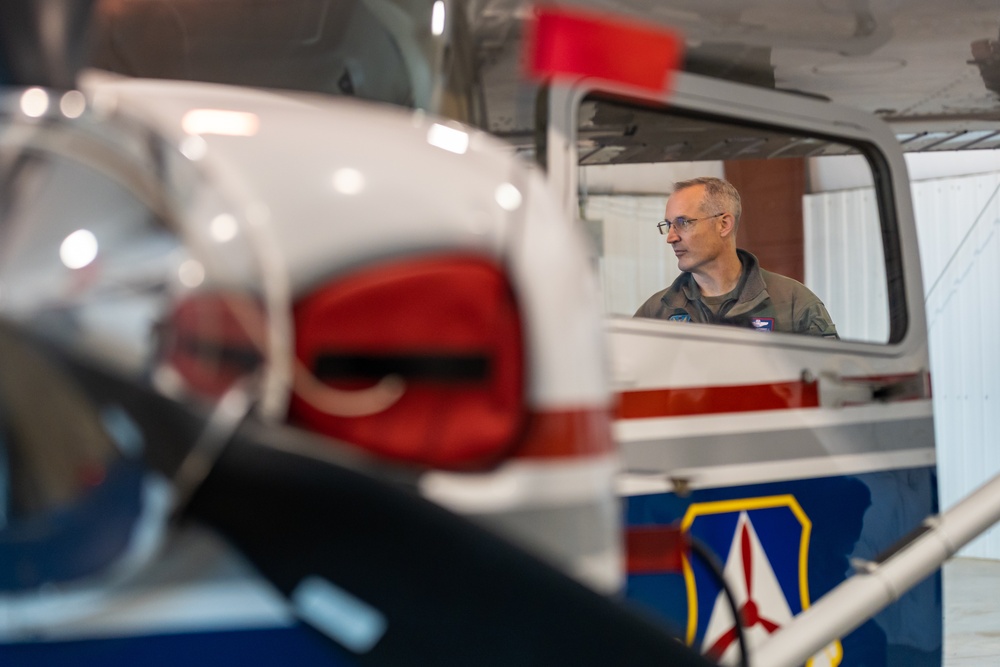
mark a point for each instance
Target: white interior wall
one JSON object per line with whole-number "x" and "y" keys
{"x": 845, "y": 263}
{"x": 635, "y": 261}
{"x": 850, "y": 171}
{"x": 650, "y": 179}
{"x": 924, "y": 166}
{"x": 958, "y": 225}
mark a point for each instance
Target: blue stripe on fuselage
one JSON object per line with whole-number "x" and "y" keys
{"x": 298, "y": 645}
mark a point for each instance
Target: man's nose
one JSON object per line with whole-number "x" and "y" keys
{"x": 672, "y": 236}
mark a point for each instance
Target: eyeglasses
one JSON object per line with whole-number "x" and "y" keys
{"x": 681, "y": 223}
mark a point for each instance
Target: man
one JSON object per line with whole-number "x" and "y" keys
{"x": 720, "y": 283}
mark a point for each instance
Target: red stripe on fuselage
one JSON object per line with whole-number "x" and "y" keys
{"x": 654, "y": 549}
{"x": 646, "y": 403}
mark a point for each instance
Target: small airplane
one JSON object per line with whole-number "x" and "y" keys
{"x": 794, "y": 461}
{"x": 219, "y": 439}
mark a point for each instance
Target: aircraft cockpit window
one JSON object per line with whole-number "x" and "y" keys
{"x": 810, "y": 212}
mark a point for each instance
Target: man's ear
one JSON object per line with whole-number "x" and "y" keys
{"x": 727, "y": 225}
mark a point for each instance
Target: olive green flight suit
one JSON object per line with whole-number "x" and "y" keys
{"x": 764, "y": 301}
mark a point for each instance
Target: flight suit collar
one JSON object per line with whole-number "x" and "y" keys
{"x": 752, "y": 291}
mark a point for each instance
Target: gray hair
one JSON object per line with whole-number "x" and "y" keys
{"x": 720, "y": 195}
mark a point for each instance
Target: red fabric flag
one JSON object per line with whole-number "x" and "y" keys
{"x": 564, "y": 42}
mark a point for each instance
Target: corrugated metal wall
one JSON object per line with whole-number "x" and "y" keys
{"x": 958, "y": 220}
{"x": 635, "y": 260}
{"x": 844, "y": 262}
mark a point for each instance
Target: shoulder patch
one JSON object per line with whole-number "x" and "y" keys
{"x": 679, "y": 317}
{"x": 762, "y": 323}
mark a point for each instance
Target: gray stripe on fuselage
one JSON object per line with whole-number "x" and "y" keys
{"x": 664, "y": 455}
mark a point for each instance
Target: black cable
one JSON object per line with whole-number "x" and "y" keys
{"x": 715, "y": 566}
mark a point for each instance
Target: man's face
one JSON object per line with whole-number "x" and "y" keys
{"x": 699, "y": 244}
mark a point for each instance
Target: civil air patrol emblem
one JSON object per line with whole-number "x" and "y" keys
{"x": 764, "y": 543}
{"x": 679, "y": 317}
{"x": 762, "y": 323}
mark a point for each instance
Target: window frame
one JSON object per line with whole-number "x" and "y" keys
{"x": 736, "y": 104}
